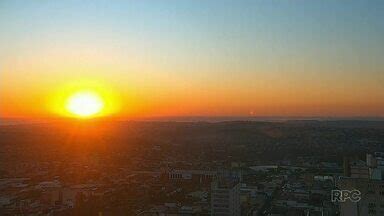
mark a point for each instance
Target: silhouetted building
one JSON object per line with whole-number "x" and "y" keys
{"x": 346, "y": 166}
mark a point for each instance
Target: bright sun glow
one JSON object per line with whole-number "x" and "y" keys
{"x": 84, "y": 104}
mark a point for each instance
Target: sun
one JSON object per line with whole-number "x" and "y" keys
{"x": 84, "y": 104}
{"x": 84, "y": 99}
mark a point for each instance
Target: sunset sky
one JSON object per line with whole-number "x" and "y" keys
{"x": 196, "y": 57}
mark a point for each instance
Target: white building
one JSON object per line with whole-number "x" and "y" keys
{"x": 375, "y": 163}
{"x": 225, "y": 197}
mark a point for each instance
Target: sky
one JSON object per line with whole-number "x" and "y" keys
{"x": 195, "y": 57}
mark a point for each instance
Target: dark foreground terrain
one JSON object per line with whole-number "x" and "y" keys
{"x": 117, "y": 168}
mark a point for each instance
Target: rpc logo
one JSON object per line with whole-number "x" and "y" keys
{"x": 344, "y": 195}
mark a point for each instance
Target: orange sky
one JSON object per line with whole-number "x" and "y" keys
{"x": 269, "y": 59}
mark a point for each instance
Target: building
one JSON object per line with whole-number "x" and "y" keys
{"x": 372, "y": 197}
{"x": 198, "y": 176}
{"x": 375, "y": 162}
{"x": 367, "y": 178}
{"x": 346, "y": 166}
{"x": 359, "y": 169}
{"x": 225, "y": 197}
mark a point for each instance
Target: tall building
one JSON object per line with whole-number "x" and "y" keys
{"x": 375, "y": 163}
{"x": 225, "y": 197}
{"x": 368, "y": 179}
{"x": 372, "y": 197}
{"x": 346, "y": 166}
